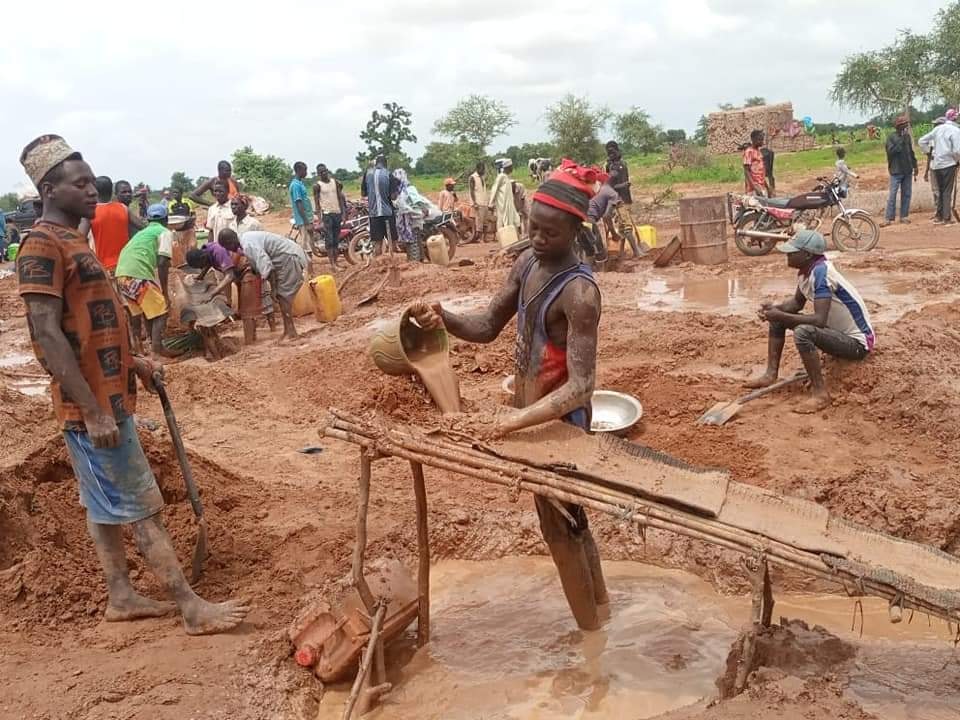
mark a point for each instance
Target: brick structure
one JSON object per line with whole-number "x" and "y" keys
{"x": 728, "y": 130}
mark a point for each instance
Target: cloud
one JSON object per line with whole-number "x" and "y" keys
{"x": 298, "y": 78}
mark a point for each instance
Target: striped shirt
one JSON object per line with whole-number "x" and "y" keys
{"x": 848, "y": 313}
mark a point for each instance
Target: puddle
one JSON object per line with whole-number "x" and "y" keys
{"x": 504, "y": 647}
{"x": 741, "y": 295}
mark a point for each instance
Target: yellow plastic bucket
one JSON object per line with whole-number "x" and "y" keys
{"x": 326, "y": 299}
{"x": 647, "y": 234}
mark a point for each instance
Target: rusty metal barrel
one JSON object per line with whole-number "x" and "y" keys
{"x": 703, "y": 230}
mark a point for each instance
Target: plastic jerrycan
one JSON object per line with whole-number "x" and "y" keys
{"x": 437, "y": 250}
{"x": 326, "y": 299}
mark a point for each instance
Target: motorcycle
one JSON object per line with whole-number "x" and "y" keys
{"x": 436, "y": 223}
{"x": 760, "y": 223}
{"x": 353, "y": 227}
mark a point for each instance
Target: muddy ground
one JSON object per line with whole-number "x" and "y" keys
{"x": 281, "y": 522}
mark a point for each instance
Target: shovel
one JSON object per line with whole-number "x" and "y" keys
{"x": 724, "y": 411}
{"x": 200, "y": 549}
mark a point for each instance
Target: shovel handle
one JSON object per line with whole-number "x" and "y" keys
{"x": 770, "y": 388}
{"x": 181, "y": 451}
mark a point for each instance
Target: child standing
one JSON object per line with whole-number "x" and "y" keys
{"x": 844, "y": 173}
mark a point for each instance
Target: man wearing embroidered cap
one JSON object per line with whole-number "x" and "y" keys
{"x": 902, "y": 164}
{"x": 839, "y": 326}
{"x": 142, "y": 272}
{"x": 80, "y": 336}
{"x": 557, "y": 304}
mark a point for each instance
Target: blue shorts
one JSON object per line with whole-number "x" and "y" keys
{"x": 116, "y": 484}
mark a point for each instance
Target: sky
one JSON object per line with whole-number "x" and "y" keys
{"x": 299, "y": 78}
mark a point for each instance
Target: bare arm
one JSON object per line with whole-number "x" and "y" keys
{"x": 163, "y": 272}
{"x": 197, "y": 194}
{"x": 580, "y": 302}
{"x": 301, "y": 210}
{"x": 821, "y": 311}
{"x": 341, "y": 198}
{"x": 316, "y": 195}
{"x": 229, "y": 276}
{"x": 134, "y": 219}
{"x": 45, "y": 313}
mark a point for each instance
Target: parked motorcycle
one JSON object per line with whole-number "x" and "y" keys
{"x": 354, "y": 225}
{"x": 760, "y": 223}
{"x": 436, "y": 223}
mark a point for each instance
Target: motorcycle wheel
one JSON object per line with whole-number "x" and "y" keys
{"x": 855, "y": 233}
{"x": 355, "y": 254}
{"x": 754, "y": 247}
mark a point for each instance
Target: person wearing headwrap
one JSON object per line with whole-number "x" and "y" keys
{"x": 902, "y": 164}
{"x": 447, "y": 202}
{"x": 501, "y": 196}
{"x": 81, "y": 337}
{"x": 557, "y": 303}
{"x": 241, "y": 221}
{"x": 942, "y": 147}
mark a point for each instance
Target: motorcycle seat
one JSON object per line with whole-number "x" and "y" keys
{"x": 774, "y": 202}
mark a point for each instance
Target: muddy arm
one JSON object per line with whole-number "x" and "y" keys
{"x": 580, "y": 302}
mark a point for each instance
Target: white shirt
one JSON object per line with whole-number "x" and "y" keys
{"x": 266, "y": 249}
{"x": 944, "y": 141}
{"x": 165, "y": 244}
{"x": 329, "y": 197}
{"x": 248, "y": 224}
{"x": 848, "y": 312}
{"x": 219, "y": 218}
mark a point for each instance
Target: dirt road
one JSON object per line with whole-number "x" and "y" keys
{"x": 281, "y": 522}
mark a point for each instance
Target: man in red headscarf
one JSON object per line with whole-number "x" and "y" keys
{"x": 557, "y": 304}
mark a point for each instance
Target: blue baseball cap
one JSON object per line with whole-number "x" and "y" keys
{"x": 157, "y": 211}
{"x": 809, "y": 240}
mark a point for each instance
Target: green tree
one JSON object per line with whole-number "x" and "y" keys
{"x": 700, "y": 135}
{"x": 260, "y": 171}
{"x": 344, "y": 175}
{"x": 180, "y": 181}
{"x": 755, "y": 101}
{"x": 672, "y": 137}
{"x": 575, "y": 125}
{"x": 635, "y": 132}
{"x": 522, "y": 154}
{"x": 476, "y": 120}
{"x": 448, "y": 159}
{"x": 8, "y": 202}
{"x": 385, "y": 134}
{"x": 945, "y": 39}
{"x": 888, "y": 80}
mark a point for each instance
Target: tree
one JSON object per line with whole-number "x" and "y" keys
{"x": 888, "y": 80}
{"x": 447, "y": 159}
{"x": 344, "y": 175}
{"x": 945, "y": 39}
{"x": 521, "y": 154}
{"x": 260, "y": 172}
{"x": 385, "y": 135}
{"x": 724, "y": 107}
{"x": 755, "y": 101}
{"x": 700, "y": 136}
{"x": 180, "y": 181}
{"x": 635, "y": 133}
{"x": 574, "y": 126}
{"x": 672, "y": 137}
{"x": 475, "y": 120}
{"x": 8, "y": 202}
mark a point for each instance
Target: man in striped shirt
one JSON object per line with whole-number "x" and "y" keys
{"x": 839, "y": 326}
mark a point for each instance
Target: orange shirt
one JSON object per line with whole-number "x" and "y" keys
{"x": 232, "y": 188}
{"x": 109, "y": 227}
{"x": 753, "y": 158}
{"x": 56, "y": 260}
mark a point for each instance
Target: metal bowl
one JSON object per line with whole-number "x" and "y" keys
{"x": 613, "y": 412}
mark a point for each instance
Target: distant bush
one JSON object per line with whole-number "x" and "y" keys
{"x": 684, "y": 155}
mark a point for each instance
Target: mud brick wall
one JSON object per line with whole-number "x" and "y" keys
{"x": 728, "y": 130}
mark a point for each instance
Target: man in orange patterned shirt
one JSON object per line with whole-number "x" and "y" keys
{"x": 754, "y": 169}
{"x": 80, "y": 336}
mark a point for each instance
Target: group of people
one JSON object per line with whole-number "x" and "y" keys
{"x": 941, "y": 146}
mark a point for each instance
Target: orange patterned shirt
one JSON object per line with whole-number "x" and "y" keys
{"x": 56, "y": 260}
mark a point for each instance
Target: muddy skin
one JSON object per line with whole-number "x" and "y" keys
{"x": 199, "y": 616}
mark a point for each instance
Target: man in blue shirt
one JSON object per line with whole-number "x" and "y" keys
{"x": 379, "y": 196}
{"x": 302, "y": 209}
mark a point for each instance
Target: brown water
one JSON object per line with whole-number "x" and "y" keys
{"x": 439, "y": 378}
{"x": 504, "y": 647}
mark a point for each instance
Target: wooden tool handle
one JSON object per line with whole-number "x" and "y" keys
{"x": 770, "y": 388}
{"x": 181, "y": 451}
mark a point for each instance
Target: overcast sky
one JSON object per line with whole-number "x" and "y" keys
{"x": 297, "y": 78}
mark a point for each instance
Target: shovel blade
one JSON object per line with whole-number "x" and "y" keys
{"x": 719, "y": 413}
{"x": 199, "y": 551}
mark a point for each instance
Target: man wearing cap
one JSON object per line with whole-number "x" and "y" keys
{"x": 142, "y": 270}
{"x": 557, "y": 304}
{"x": 942, "y": 147}
{"x": 839, "y": 326}
{"x": 479, "y": 200}
{"x": 80, "y": 337}
{"x": 902, "y": 164}
{"x": 447, "y": 202}
{"x": 501, "y": 197}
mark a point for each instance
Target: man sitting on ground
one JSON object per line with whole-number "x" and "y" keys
{"x": 840, "y": 323}
{"x": 557, "y": 304}
{"x": 276, "y": 259}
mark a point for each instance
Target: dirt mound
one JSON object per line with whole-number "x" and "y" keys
{"x": 50, "y": 573}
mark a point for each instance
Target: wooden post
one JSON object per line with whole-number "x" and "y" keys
{"x": 423, "y": 550}
{"x": 361, "y": 691}
{"x": 761, "y": 615}
{"x": 360, "y": 548}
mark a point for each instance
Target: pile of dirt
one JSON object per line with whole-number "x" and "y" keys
{"x": 49, "y": 570}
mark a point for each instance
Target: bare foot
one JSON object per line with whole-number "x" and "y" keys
{"x": 135, "y": 607}
{"x": 205, "y": 618}
{"x": 813, "y": 404}
{"x": 765, "y": 380}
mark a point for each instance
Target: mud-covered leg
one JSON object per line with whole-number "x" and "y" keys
{"x": 124, "y": 603}
{"x": 596, "y": 573}
{"x": 199, "y": 616}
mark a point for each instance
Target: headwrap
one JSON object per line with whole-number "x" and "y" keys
{"x": 901, "y": 121}
{"x": 570, "y": 187}
{"x": 243, "y": 199}
{"x": 401, "y": 175}
{"x": 449, "y": 181}
{"x": 44, "y": 154}
{"x": 951, "y": 114}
